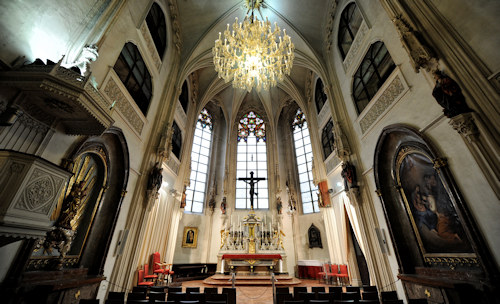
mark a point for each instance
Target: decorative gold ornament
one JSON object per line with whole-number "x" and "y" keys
{"x": 250, "y": 55}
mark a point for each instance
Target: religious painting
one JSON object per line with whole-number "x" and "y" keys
{"x": 314, "y": 236}
{"x": 439, "y": 231}
{"x": 190, "y": 237}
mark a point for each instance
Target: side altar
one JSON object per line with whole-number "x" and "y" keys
{"x": 250, "y": 246}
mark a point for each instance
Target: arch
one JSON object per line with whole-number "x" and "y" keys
{"x": 133, "y": 72}
{"x": 200, "y": 160}
{"x": 373, "y": 71}
{"x": 314, "y": 237}
{"x": 158, "y": 28}
{"x": 350, "y": 22}
{"x": 252, "y": 156}
{"x": 184, "y": 97}
{"x": 113, "y": 148}
{"x": 403, "y": 162}
{"x": 328, "y": 139}
{"x": 304, "y": 161}
{"x": 176, "y": 140}
{"x": 319, "y": 95}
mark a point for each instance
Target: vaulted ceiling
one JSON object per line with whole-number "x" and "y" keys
{"x": 306, "y": 22}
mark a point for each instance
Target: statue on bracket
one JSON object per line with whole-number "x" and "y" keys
{"x": 223, "y": 206}
{"x": 314, "y": 237}
{"x": 349, "y": 175}
{"x": 211, "y": 204}
{"x": 183, "y": 199}
{"x": 155, "y": 178}
{"x": 449, "y": 95}
{"x": 279, "y": 205}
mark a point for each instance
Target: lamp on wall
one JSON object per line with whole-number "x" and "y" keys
{"x": 249, "y": 55}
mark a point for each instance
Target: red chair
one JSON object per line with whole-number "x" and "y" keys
{"x": 335, "y": 272}
{"x": 324, "y": 274}
{"x": 148, "y": 276}
{"x": 157, "y": 267}
{"x": 343, "y": 274}
{"x": 140, "y": 281}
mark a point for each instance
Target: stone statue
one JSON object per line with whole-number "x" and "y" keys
{"x": 223, "y": 206}
{"x": 71, "y": 204}
{"x": 279, "y": 205}
{"x": 183, "y": 199}
{"x": 89, "y": 54}
{"x": 349, "y": 175}
{"x": 449, "y": 95}
{"x": 155, "y": 178}
{"x": 211, "y": 204}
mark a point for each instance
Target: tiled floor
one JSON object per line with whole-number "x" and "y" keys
{"x": 253, "y": 294}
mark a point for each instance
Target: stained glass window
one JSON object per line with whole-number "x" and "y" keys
{"x": 251, "y": 156}
{"x": 303, "y": 153}
{"x": 251, "y": 123}
{"x": 200, "y": 156}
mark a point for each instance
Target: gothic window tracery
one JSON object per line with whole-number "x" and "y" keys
{"x": 200, "y": 156}
{"x": 304, "y": 156}
{"x": 251, "y": 156}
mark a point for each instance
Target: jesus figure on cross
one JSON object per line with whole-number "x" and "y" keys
{"x": 251, "y": 181}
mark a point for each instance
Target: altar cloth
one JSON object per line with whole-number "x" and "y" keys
{"x": 244, "y": 256}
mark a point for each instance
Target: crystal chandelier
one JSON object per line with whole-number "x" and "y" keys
{"x": 250, "y": 54}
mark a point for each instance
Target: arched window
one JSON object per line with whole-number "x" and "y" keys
{"x": 158, "y": 28}
{"x": 327, "y": 139}
{"x": 350, "y": 21}
{"x": 134, "y": 74}
{"x": 251, "y": 157}
{"x": 371, "y": 74}
{"x": 319, "y": 95}
{"x": 303, "y": 152}
{"x": 200, "y": 155}
{"x": 176, "y": 140}
{"x": 184, "y": 98}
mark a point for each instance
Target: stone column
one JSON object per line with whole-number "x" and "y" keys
{"x": 483, "y": 148}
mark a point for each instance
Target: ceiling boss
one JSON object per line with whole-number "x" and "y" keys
{"x": 253, "y": 54}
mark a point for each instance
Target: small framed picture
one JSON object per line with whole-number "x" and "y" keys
{"x": 190, "y": 237}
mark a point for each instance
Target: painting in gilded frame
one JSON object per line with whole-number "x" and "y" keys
{"x": 438, "y": 228}
{"x": 190, "y": 237}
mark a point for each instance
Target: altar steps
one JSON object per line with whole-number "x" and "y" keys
{"x": 251, "y": 280}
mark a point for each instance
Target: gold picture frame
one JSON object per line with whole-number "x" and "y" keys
{"x": 431, "y": 209}
{"x": 190, "y": 237}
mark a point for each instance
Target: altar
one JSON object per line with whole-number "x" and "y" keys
{"x": 254, "y": 262}
{"x": 252, "y": 246}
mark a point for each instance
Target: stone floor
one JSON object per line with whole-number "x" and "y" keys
{"x": 253, "y": 294}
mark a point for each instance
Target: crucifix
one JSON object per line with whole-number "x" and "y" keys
{"x": 251, "y": 181}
